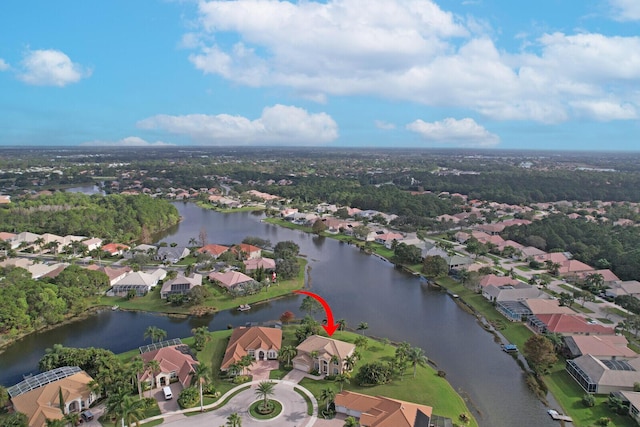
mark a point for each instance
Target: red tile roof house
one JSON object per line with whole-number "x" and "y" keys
{"x": 387, "y": 239}
{"x": 600, "y": 346}
{"x": 267, "y": 264}
{"x": 326, "y": 348}
{"x": 214, "y": 250}
{"x": 492, "y": 279}
{"x": 567, "y": 324}
{"x": 491, "y": 229}
{"x": 230, "y": 279}
{"x": 572, "y": 268}
{"x": 248, "y": 251}
{"x": 382, "y": 411}
{"x": 114, "y": 274}
{"x": 115, "y": 249}
{"x": 258, "y": 342}
{"x": 176, "y": 364}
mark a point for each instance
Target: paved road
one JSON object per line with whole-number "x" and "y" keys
{"x": 294, "y": 410}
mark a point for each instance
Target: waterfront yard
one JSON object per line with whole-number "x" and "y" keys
{"x": 218, "y": 300}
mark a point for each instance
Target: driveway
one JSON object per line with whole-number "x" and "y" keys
{"x": 294, "y": 410}
{"x": 260, "y": 369}
{"x": 168, "y": 405}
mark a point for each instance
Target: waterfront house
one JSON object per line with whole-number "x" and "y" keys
{"x": 259, "y": 342}
{"x": 567, "y": 324}
{"x": 230, "y": 279}
{"x": 517, "y": 292}
{"x": 267, "y": 264}
{"x": 38, "y": 396}
{"x": 379, "y": 411}
{"x": 604, "y": 376}
{"x": 114, "y": 274}
{"x": 141, "y": 282}
{"x": 177, "y": 362}
{"x": 600, "y": 346}
{"x": 181, "y": 285}
{"x": 247, "y": 251}
{"x": 317, "y": 353}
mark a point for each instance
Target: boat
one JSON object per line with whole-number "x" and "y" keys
{"x": 115, "y": 307}
{"x": 558, "y": 416}
{"x": 509, "y": 348}
{"x": 244, "y": 307}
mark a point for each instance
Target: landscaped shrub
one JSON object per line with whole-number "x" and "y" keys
{"x": 189, "y": 397}
{"x": 588, "y": 400}
{"x": 604, "y": 421}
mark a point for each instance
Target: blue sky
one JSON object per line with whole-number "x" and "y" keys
{"x": 549, "y": 74}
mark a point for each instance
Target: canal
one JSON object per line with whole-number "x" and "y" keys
{"x": 359, "y": 288}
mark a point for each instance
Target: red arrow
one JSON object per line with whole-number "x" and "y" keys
{"x": 330, "y": 327}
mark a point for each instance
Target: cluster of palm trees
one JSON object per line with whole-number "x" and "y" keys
{"x": 156, "y": 334}
{"x": 242, "y": 365}
{"x": 414, "y": 356}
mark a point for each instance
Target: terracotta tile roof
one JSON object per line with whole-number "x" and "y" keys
{"x": 214, "y": 250}
{"x": 229, "y": 279}
{"x": 255, "y": 263}
{"x": 326, "y": 346}
{"x": 603, "y": 345}
{"x": 7, "y": 236}
{"x": 574, "y": 266}
{"x": 570, "y": 324}
{"x": 382, "y": 411}
{"x": 43, "y": 402}
{"x": 176, "y": 358}
{"x": 547, "y": 306}
{"x": 253, "y": 338}
{"x": 492, "y": 279}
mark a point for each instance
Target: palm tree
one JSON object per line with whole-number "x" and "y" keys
{"x": 137, "y": 367}
{"x": 363, "y": 326}
{"x": 351, "y": 422}
{"x": 328, "y": 395}
{"x": 155, "y": 333}
{"x": 335, "y": 360}
{"x": 287, "y": 353}
{"x": 200, "y": 375}
{"x": 193, "y": 242}
{"x": 153, "y": 366}
{"x": 234, "y": 420}
{"x": 361, "y": 342}
{"x": 72, "y": 418}
{"x": 350, "y": 362}
{"x": 264, "y": 390}
{"x": 342, "y": 324}
{"x": 56, "y": 422}
{"x": 343, "y": 379}
{"x": 416, "y": 357}
{"x": 245, "y": 362}
{"x": 132, "y": 411}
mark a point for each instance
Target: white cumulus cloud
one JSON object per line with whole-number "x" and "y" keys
{"x": 50, "y": 68}
{"x": 130, "y": 141}
{"x": 381, "y": 124}
{"x": 413, "y": 50}
{"x": 459, "y": 133}
{"x": 279, "y": 124}
{"x": 3, "y": 65}
{"x": 626, "y": 10}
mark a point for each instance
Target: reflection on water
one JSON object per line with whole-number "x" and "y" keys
{"x": 358, "y": 287}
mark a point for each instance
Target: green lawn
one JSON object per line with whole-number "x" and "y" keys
{"x": 569, "y": 395}
{"x": 566, "y": 391}
{"x": 219, "y": 300}
{"x": 426, "y": 388}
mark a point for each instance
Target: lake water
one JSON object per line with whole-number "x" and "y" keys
{"x": 359, "y": 288}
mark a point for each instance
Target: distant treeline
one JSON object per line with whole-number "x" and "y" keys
{"x": 599, "y": 245}
{"x": 384, "y": 198}
{"x": 114, "y": 217}
{"x": 519, "y": 186}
